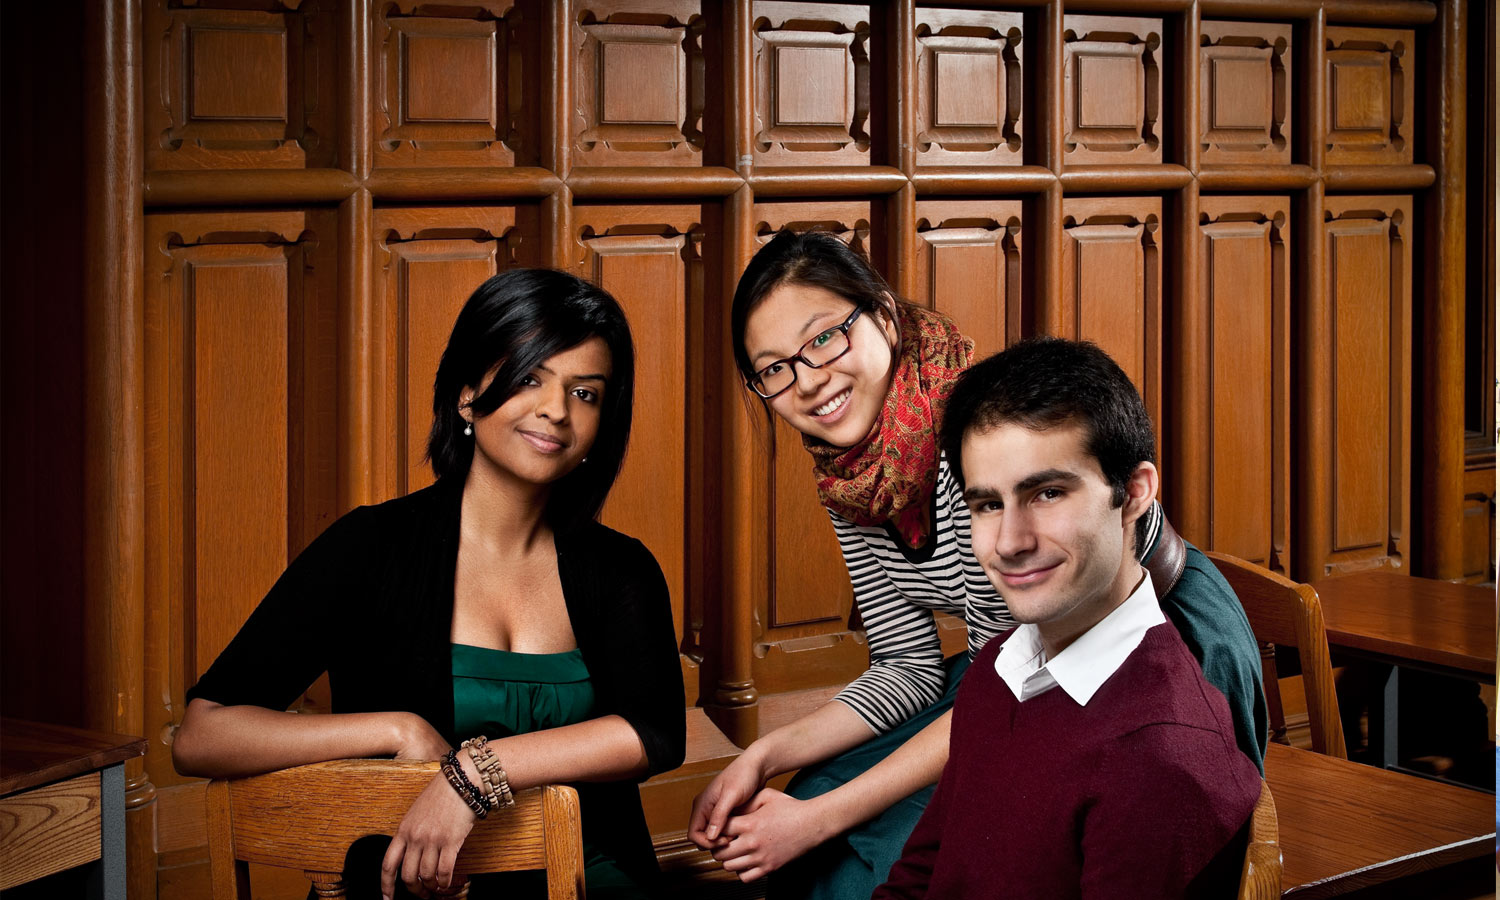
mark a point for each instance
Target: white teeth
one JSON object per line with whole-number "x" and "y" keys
{"x": 831, "y": 405}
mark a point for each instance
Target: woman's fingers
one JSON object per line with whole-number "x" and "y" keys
{"x": 390, "y": 865}
{"x": 447, "y": 861}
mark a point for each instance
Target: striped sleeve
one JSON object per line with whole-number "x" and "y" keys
{"x": 906, "y": 654}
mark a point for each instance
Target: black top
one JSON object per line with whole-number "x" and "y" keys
{"x": 370, "y": 601}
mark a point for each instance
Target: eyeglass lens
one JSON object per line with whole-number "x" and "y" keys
{"x": 824, "y": 348}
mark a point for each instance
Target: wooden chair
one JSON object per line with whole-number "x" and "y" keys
{"x": 1283, "y": 612}
{"x": 1260, "y": 878}
{"x": 307, "y": 817}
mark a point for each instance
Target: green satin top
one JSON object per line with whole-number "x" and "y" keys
{"x": 499, "y": 692}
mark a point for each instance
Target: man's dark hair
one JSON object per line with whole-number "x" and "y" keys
{"x": 1046, "y": 382}
{"x": 511, "y": 324}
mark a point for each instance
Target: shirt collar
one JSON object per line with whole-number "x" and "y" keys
{"x": 1088, "y": 662}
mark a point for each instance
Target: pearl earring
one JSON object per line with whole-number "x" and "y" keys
{"x": 469, "y": 428}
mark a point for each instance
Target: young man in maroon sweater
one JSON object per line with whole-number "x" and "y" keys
{"x": 1088, "y": 756}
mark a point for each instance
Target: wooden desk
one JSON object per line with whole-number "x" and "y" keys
{"x": 62, "y": 804}
{"x": 1401, "y": 621}
{"x": 1346, "y": 826}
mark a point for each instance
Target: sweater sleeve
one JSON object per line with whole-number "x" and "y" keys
{"x": 636, "y": 672}
{"x": 287, "y": 641}
{"x": 906, "y": 654}
{"x": 1171, "y": 803}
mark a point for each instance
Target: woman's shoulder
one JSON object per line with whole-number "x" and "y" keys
{"x": 596, "y": 541}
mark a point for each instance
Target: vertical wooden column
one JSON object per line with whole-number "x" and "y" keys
{"x": 901, "y": 33}
{"x": 360, "y": 479}
{"x": 1186, "y": 326}
{"x": 1043, "y": 315}
{"x": 735, "y": 706}
{"x": 1439, "y": 425}
{"x": 1311, "y": 317}
{"x": 114, "y": 536}
{"x": 557, "y": 147}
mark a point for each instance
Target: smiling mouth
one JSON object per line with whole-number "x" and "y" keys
{"x": 833, "y": 406}
{"x": 1028, "y": 576}
{"x": 543, "y": 442}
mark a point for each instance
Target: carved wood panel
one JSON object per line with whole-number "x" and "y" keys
{"x": 803, "y": 635}
{"x": 652, "y": 259}
{"x": 968, "y": 265}
{"x": 1366, "y": 353}
{"x": 228, "y": 86}
{"x": 1230, "y": 374}
{"x": 812, "y": 84}
{"x": 240, "y": 359}
{"x": 1245, "y": 73}
{"x": 1370, "y": 73}
{"x": 969, "y": 87}
{"x": 1112, "y": 90}
{"x": 641, "y": 89}
{"x": 1111, "y": 287}
{"x": 428, "y": 262}
{"x": 452, "y": 85}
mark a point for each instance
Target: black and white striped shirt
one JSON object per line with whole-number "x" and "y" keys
{"x": 898, "y": 589}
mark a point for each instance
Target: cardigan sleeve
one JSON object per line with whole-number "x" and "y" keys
{"x": 632, "y": 651}
{"x": 288, "y": 640}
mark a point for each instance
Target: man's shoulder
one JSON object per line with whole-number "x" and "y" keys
{"x": 1160, "y": 688}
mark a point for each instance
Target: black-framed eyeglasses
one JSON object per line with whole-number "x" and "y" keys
{"x": 822, "y": 349}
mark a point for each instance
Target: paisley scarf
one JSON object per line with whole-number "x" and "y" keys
{"x": 889, "y": 476}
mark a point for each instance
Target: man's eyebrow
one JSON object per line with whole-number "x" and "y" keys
{"x": 803, "y": 330}
{"x": 1040, "y": 478}
{"x": 976, "y": 494}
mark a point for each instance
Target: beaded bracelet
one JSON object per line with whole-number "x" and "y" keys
{"x": 496, "y": 782}
{"x": 471, "y": 795}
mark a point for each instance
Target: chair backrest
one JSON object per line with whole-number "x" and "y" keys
{"x": 1260, "y": 878}
{"x": 1289, "y": 614}
{"x": 306, "y": 818}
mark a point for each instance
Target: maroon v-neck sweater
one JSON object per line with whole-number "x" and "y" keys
{"x": 1141, "y": 793}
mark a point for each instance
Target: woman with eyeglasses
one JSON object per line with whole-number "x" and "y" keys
{"x": 491, "y": 604}
{"x": 821, "y": 340}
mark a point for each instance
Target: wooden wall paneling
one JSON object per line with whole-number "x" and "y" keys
{"x": 1440, "y": 345}
{"x": 1112, "y": 90}
{"x": 803, "y": 635}
{"x": 1230, "y": 371}
{"x": 812, "y": 84}
{"x": 1359, "y": 515}
{"x": 969, "y": 86}
{"x": 1369, "y": 103}
{"x": 428, "y": 262}
{"x": 1111, "y": 287}
{"x": 652, "y": 259}
{"x": 115, "y": 608}
{"x": 641, "y": 89}
{"x": 231, "y": 87}
{"x": 1245, "y": 102}
{"x": 969, "y": 266}
{"x": 451, "y": 85}
{"x": 1479, "y": 524}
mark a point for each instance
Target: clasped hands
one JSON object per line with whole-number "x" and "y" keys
{"x": 750, "y": 829}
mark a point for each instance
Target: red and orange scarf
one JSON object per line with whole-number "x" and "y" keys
{"x": 891, "y": 474}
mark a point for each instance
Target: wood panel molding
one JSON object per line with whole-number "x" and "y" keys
{"x": 1246, "y": 82}
{"x": 1112, "y": 90}
{"x": 969, "y": 88}
{"x": 812, "y": 84}
{"x": 1370, "y": 96}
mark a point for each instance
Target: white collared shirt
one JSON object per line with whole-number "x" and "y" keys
{"x": 1083, "y": 667}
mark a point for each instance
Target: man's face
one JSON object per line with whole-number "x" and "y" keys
{"x": 1044, "y": 529}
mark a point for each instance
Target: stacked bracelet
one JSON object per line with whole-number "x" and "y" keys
{"x": 476, "y": 800}
{"x": 496, "y": 782}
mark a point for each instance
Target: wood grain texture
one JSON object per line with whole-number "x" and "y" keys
{"x": 48, "y": 829}
{"x": 1422, "y": 620}
{"x": 1289, "y": 614}
{"x": 35, "y": 753}
{"x": 1260, "y": 877}
{"x": 1346, "y": 826}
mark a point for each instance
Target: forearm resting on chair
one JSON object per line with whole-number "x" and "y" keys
{"x": 602, "y": 749}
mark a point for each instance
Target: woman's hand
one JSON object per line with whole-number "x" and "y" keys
{"x": 729, "y": 790}
{"x": 772, "y": 830}
{"x": 416, "y": 739}
{"x": 426, "y": 845}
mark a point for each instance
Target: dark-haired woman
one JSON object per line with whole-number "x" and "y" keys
{"x": 491, "y": 603}
{"x": 819, "y": 337}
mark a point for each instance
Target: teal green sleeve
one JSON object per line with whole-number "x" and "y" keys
{"x": 1212, "y": 623}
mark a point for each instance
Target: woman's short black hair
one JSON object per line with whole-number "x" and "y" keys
{"x": 511, "y": 324}
{"x": 815, "y": 259}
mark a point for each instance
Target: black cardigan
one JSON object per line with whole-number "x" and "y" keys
{"x": 370, "y": 601}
